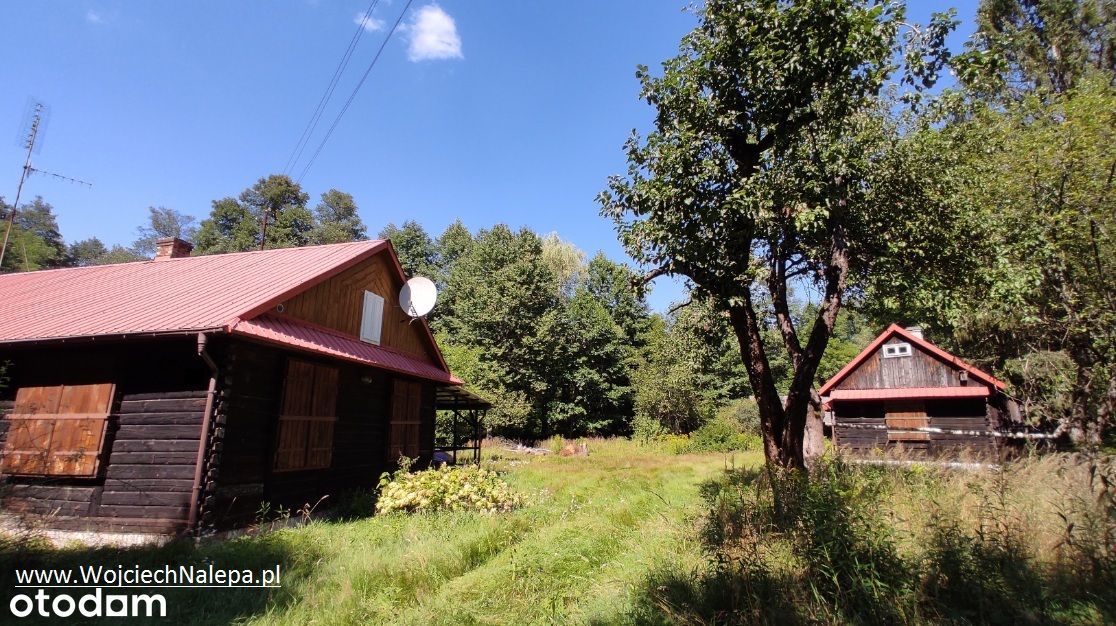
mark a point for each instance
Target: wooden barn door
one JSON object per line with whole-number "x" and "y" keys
{"x": 903, "y": 418}
{"x": 405, "y": 432}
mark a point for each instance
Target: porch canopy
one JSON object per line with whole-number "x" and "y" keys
{"x": 467, "y": 411}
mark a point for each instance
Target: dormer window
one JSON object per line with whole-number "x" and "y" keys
{"x": 371, "y": 318}
{"x": 896, "y": 350}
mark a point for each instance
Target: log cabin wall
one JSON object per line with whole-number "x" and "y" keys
{"x": 151, "y": 441}
{"x": 250, "y": 404}
{"x": 860, "y": 427}
{"x": 337, "y": 304}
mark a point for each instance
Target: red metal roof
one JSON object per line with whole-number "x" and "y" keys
{"x": 169, "y": 295}
{"x": 189, "y": 294}
{"x": 288, "y": 332}
{"x": 935, "y": 351}
{"x": 910, "y": 393}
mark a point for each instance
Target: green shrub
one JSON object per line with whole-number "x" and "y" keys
{"x": 463, "y": 488}
{"x": 744, "y": 412}
{"x": 716, "y": 435}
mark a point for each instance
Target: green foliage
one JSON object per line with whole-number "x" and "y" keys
{"x": 163, "y": 222}
{"x": 462, "y": 488}
{"x": 543, "y": 348}
{"x": 716, "y": 435}
{"x": 1041, "y": 173}
{"x": 235, "y": 224}
{"x": 413, "y": 246}
{"x": 668, "y": 387}
{"x": 773, "y": 160}
{"x": 230, "y": 227}
{"x": 1023, "y": 46}
{"x": 566, "y": 261}
{"x": 613, "y": 285}
{"x": 337, "y": 220}
{"x": 871, "y": 545}
{"x": 35, "y": 242}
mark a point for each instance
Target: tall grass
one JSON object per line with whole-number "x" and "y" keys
{"x": 1027, "y": 543}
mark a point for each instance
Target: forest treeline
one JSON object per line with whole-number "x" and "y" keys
{"x": 560, "y": 341}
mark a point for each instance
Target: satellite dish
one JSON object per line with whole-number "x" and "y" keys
{"x": 417, "y": 296}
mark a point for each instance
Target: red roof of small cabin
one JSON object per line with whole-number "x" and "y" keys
{"x": 935, "y": 351}
{"x": 216, "y": 293}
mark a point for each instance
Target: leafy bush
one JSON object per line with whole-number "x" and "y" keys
{"x": 744, "y": 412}
{"x": 716, "y": 435}
{"x": 463, "y": 488}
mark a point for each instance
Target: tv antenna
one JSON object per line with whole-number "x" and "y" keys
{"x": 32, "y": 141}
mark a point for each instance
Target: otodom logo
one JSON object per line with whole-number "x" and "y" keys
{"x": 96, "y": 603}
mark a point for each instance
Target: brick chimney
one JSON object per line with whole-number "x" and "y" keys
{"x": 915, "y": 330}
{"x": 172, "y": 248}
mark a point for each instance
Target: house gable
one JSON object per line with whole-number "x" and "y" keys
{"x": 933, "y": 364}
{"x": 337, "y": 303}
{"x": 920, "y": 369}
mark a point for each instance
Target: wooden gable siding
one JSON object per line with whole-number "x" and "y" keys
{"x": 921, "y": 369}
{"x": 337, "y": 303}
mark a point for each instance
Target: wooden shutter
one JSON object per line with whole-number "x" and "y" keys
{"x": 903, "y": 418}
{"x": 58, "y": 430}
{"x": 307, "y": 417}
{"x": 406, "y": 413}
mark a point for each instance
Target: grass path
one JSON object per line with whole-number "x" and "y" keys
{"x": 596, "y": 528}
{"x": 578, "y": 554}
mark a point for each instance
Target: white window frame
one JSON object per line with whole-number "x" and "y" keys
{"x": 896, "y": 350}
{"x": 371, "y": 318}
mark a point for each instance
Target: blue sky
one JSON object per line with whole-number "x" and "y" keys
{"x": 493, "y": 112}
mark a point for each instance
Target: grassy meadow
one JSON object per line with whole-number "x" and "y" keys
{"x": 636, "y": 535}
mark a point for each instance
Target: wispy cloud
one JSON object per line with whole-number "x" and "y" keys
{"x": 433, "y": 35}
{"x": 93, "y": 17}
{"x": 370, "y": 23}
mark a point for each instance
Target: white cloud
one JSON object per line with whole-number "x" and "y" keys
{"x": 94, "y": 17}
{"x": 370, "y": 24}
{"x": 433, "y": 35}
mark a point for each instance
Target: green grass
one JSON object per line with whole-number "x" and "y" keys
{"x": 638, "y": 535}
{"x": 579, "y": 553}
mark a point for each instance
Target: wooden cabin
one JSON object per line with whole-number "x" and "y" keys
{"x": 181, "y": 394}
{"x": 904, "y": 392}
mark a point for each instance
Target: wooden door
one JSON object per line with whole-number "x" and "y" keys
{"x": 903, "y": 418}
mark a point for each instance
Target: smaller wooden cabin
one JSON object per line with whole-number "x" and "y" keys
{"x": 182, "y": 394}
{"x": 904, "y": 392}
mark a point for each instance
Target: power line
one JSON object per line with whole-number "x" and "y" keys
{"x": 352, "y": 96}
{"x": 312, "y": 124}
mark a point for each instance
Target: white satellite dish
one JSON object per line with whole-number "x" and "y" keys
{"x": 417, "y": 296}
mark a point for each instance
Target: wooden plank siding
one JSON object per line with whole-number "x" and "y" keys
{"x": 918, "y": 370}
{"x": 148, "y": 457}
{"x": 252, "y": 402}
{"x": 337, "y": 304}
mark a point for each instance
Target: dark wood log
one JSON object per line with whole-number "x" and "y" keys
{"x": 127, "y": 472}
{"x": 145, "y": 498}
{"x": 154, "y": 458}
{"x": 155, "y": 445}
{"x": 165, "y": 395}
{"x": 143, "y": 512}
{"x": 158, "y": 432}
{"x": 148, "y": 484}
{"x": 159, "y": 419}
